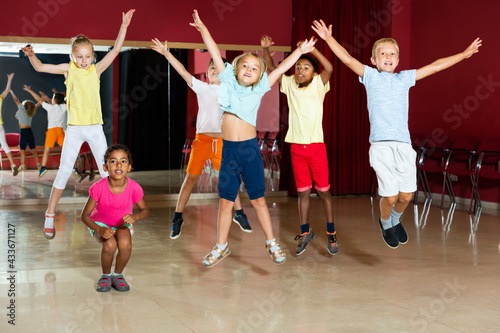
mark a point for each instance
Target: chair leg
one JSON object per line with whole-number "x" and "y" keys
{"x": 426, "y": 186}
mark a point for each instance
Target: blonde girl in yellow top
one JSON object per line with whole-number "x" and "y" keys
{"x": 84, "y": 108}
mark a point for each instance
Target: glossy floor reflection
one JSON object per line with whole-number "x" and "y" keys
{"x": 444, "y": 280}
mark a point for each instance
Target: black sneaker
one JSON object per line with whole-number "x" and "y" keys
{"x": 176, "y": 230}
{"x": 401, "y": 233}
{"x": 304, "y": 240}
{"x": 242, "y": 221}
{"x": 389, "y": 236}
{"x": 333, "y": 247}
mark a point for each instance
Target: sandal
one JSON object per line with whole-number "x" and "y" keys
{"x": 49, "y": 231}
{"x": 214, "y": 260}
{"x": 276, "y": 254}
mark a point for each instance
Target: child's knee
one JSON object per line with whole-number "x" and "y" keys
{"x": 390, "y": 200}
{"x": 405, "y": 197}
{"x": 304, "y": 194}
{"x": 325, "y": 194}
{"x": 259, "y": 203}
{"x": 109, "y": 247}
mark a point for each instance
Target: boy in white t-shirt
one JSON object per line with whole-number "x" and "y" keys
{"x": 208, "y": 142}
{"x": 391, "y": 154}
{"x": 57, "y": 112}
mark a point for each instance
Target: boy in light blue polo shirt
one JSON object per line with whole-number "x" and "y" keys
{"x": 391, "y": 153}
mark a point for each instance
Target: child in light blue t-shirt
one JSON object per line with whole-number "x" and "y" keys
{"x": 242, "y": 86}
{"x": 391, "y": 154}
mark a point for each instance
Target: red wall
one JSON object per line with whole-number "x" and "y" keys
{"x": 458, "y": 100}
{"x": 230, "y": 21}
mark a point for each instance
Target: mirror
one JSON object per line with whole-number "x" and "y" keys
{"x": 146, "y": 105}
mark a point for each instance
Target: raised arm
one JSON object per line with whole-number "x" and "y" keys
{"x": 305, "y": 47}
{"x": 212, "y": 47}
{"x": 37, "y": 97}
{"x": 266, "y": 42}
{"x": 41, "y": 67}
{"x": 444, "y": 63}
{"x": 176, "y": 64}
{"x": 15, "y": 98}
{"x": 7, "y": 88}
{"x": 327, "y": 65}
{"x": 44, "y": 97}
{"x": 325, "y": 33}
{"x": 102, "y": 65}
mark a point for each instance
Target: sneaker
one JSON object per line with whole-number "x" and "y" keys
{"x": 43, "y": 171}
{"x": 22, "y": 167}
{"x": 15, "y": 170}
{"x": 333, "y": 247}
{"x": 304, "y": 239}
{"x": 82, "y": 176}
{"x": 119, "y": 283}
{"x": 92, "y": 175}
{"x": 389, "y": 236}
{"x": 401, "y": 233}
{"x": 104, "y": 283}
{"x": 242, "y": 221}
{"x": 176, "y": 230}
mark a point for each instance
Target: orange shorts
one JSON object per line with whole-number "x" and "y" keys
{"x": 53, "y": 135}
{"x": 204, "y": 148}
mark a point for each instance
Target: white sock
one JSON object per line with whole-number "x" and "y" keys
{"x": 49, "y": 222}
{"x": 215, "y": 253}
{"x": 395, "y": 216}
{"x": 275, "y": 248}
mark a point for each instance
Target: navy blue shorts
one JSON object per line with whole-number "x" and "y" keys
{"x": 27, "y": 139}
{"x": 241, "y": 160}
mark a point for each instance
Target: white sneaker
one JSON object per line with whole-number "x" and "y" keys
{"x": 15, "y": 170}
{"x": 22, "y": 167}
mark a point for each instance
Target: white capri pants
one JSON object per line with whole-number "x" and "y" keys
{"x": 395, "y": 165}
{"x": 3, "y": 140}
{"x": 73, "y": 140}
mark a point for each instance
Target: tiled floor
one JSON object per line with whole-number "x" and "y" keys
{"x": 444, "y": 280}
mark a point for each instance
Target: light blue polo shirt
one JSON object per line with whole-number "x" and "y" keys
{"x": 388, "y": 103}
{"x": 242, "y": 101}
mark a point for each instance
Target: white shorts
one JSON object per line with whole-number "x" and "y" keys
{"x": 395, "y": 165}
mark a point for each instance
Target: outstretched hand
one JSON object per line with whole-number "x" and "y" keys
{"x": 198, "y": 24}
{"x": 159, "y": 47}
{"x": 321, "y": 29}
{"x": 266, "y": 41}
{"x": 307, "y": 45}
{"x": 127, "y": 17}
{"x": 28, "y": 50}
{"x": 27, "y": 88}
{"x": 473, "y": 48}
{"x": 10, "y": 76}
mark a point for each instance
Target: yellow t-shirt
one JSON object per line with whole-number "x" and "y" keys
{"x": 1, "y": 121}
{"x": 305, "y": 119}
{"x": 83, "y": 99}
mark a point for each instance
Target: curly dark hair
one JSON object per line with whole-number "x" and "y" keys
{"x": 116, "y": 147}
{"x": 312, "y": 60}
